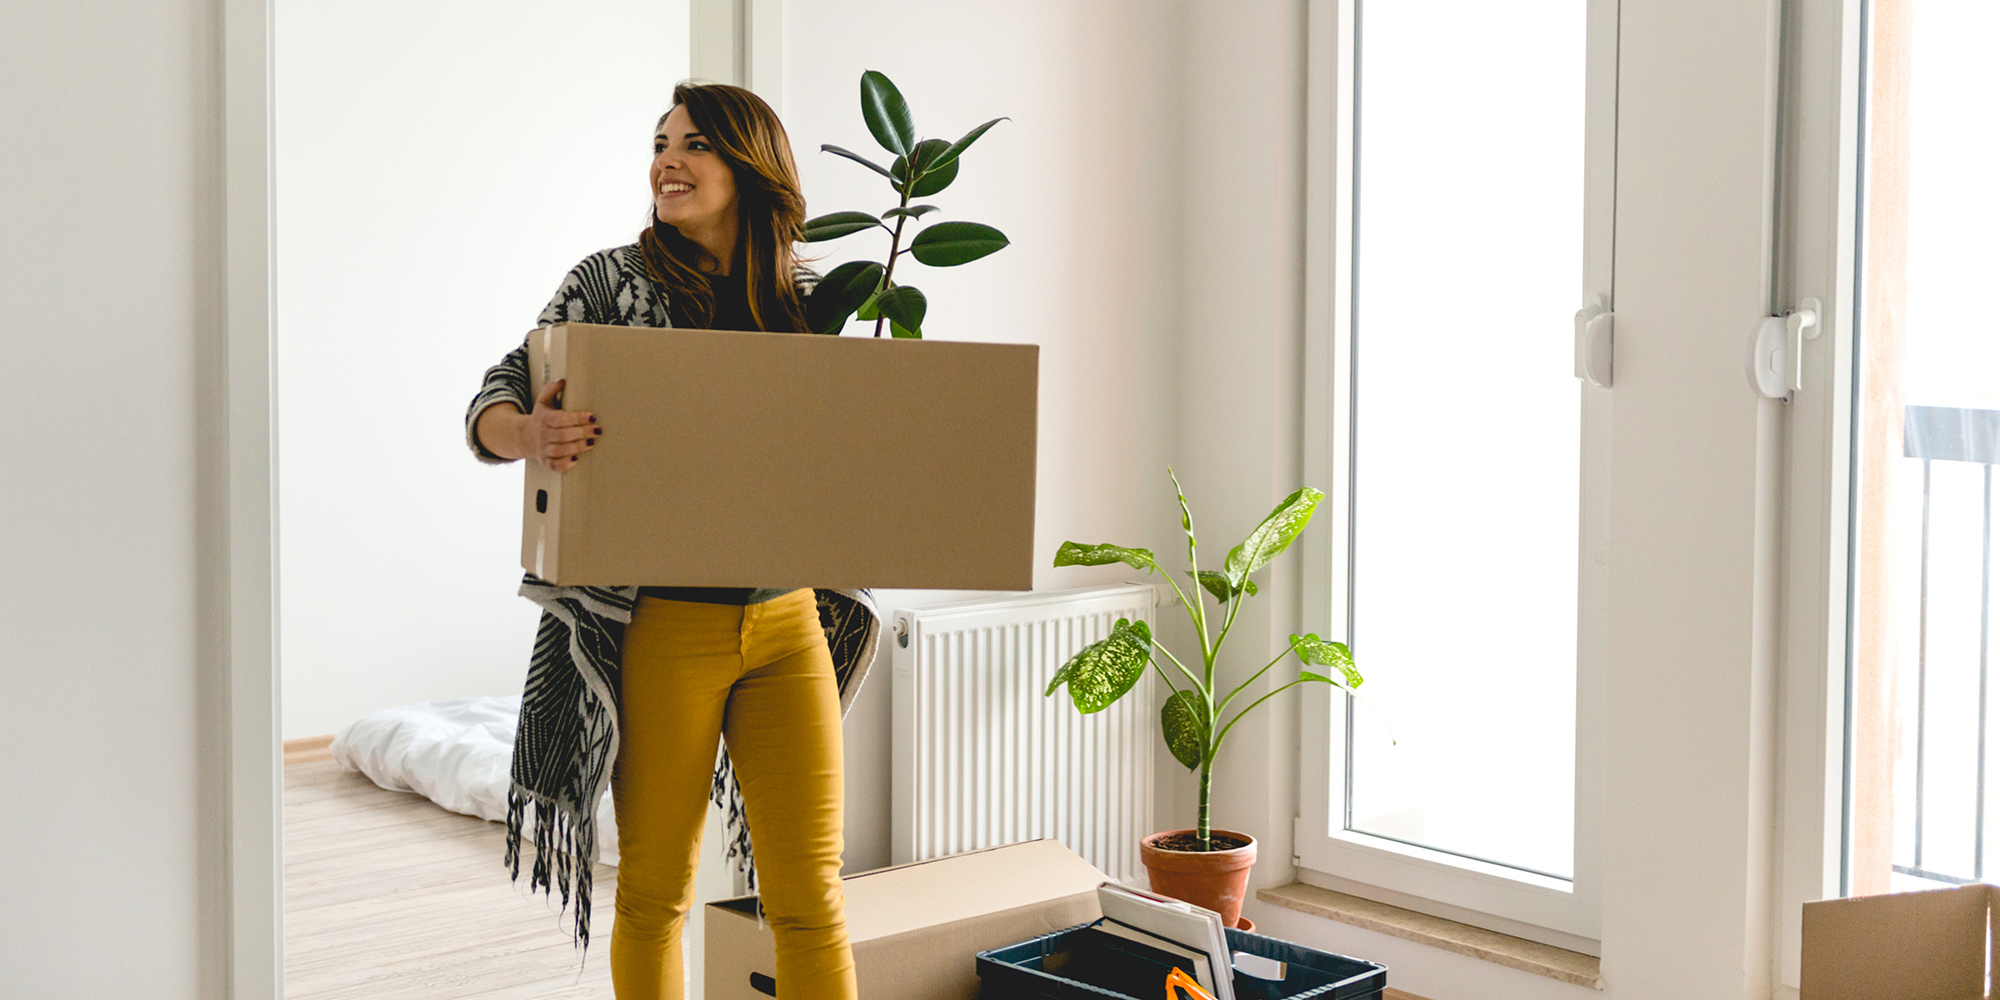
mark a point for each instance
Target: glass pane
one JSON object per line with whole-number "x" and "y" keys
{"x": 1926, "y": 440}
{"x": 1469, "y": 252}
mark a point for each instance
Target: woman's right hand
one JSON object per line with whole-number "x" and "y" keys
{"x": 552, "y": 436}
{"x": 556, "y": 437}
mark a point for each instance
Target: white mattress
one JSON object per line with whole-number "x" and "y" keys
{"x": 455, "y": 753}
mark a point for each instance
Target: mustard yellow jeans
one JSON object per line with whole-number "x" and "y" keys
{"x": 760, "y": 678}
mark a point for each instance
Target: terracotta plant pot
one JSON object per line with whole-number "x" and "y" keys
{"x": 1214, "y": 879}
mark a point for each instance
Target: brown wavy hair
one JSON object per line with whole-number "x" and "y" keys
{"x": 770, "y": 212}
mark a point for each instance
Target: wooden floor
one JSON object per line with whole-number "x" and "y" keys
{"x": 388, "y": 896}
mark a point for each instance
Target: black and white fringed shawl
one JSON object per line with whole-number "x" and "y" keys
{"x": 568, "y": 736}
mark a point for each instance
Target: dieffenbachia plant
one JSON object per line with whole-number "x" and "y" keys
{"x": 1105, "y": 670}
{"x": 922, "y": 168}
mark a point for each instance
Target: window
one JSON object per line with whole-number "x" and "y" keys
{"x": 1463, "y": 162}
{"x": 1925, "y": 780}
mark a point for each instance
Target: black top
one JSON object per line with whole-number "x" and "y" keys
{"x": 732, "y": 306}
{"x": 732, "y": 312}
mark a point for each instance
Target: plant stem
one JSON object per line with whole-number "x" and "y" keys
{"x": 895, "y": 240}
{"x": 1192, "y": 679}
{"x": 1246, "y": 709}
{"x": 1201, "y": 811}
{"x": 1231, "y": 696}
{"x": 1196, "y": 613}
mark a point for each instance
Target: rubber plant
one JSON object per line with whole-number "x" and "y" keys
{"x": 1106, "y": 670}
{"x": 922, "y": 168}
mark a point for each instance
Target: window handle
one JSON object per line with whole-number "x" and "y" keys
{"x": 1777, "y": 349}
{"x": 1593, "y": 343}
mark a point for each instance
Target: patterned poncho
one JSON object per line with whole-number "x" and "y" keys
{"x": 568, "y": 735}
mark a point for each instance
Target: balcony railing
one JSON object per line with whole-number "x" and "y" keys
{"x": 1947, "y": 841}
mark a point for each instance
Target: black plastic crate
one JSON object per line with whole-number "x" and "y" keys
{"x": 1079, "y": 963}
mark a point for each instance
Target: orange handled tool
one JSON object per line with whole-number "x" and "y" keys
{"x": 1177, "y": 981}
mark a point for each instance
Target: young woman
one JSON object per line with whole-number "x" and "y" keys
{"x": 643, "y": 680}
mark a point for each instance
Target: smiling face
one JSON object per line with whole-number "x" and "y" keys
{"x": 693, "y": 188}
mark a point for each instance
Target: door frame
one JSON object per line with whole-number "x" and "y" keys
{"x": 733, "y": 41}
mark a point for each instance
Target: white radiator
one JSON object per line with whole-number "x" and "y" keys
{"x": 981, "y": 758}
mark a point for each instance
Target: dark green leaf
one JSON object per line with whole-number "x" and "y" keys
{"x": 934, "y": 180}
{"x": 925, "y": 155}
{"x": 858, "y": 158}
{"x": 904, "y": 306}
{"x": 1315, "y": 651}
{"x": 948, "y": 244}
{"x": 924, "y": 159}
{"x": 1180, "y": 723}
{"x": 887, "y": 114}
{"x": 951, "y": 153}
{"x": 1107, "y": 668}
{"x": 1074, "y": 554}
{"x": 1218, "y": 584}
{"x": 867, "y": 310}
{"x": 1284, "y": 524}
{"x": 839, "y": 224}
{"x": 896, "y": 330}
{"x": 839, "y": 293}
{"x": 914, "y": 212}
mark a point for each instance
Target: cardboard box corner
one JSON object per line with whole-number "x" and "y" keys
{"x": 915, "y": 928}
{"x": 1926, "y": 945}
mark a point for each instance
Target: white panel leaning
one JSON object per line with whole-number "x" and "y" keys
{"x": 982, "y": 758}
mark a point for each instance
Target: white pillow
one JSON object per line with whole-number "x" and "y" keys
{"x": 455, "y": 753}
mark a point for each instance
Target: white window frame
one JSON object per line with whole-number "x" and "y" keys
{"x": 1819, "y": 197}
{"x": 1562, "y": 913}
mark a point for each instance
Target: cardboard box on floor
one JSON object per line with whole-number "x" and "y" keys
{"x": 1910, "y": 946}
{"x": 915, "y": 928}
{"x": 786, "y": 460}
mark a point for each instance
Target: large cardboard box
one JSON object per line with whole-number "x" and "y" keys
{"x": 784, "y": 460}
{"x": 915, "y": 928}
{"x": 1908, "y": 946}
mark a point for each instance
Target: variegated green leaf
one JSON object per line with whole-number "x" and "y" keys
{"x": 1218, "y": 585}
{"x": 1078, "y": 554}
{"x": 1315, "y": 651}
{"x": 1278, "y": 530}
{"x": 1180, "y": 723}
{"x": 1107, "y": 668}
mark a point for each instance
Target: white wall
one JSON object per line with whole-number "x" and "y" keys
{"x": 1083, "y": 180}
{"x": 440, "y": 167}
{"x": 1243, "y": 82}
{"x": 110, "y": 287}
